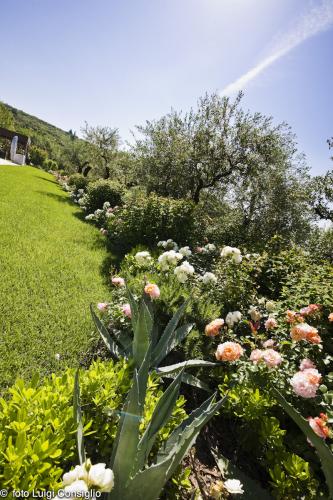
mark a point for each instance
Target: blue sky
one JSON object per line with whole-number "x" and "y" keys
{"x": 121, "y": 62}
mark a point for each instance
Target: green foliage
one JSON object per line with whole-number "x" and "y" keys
{"x": 37, "y": 438}
{"x": 78, "y": 181}
{"x": 101, "y": 191}
{"x": 313, "y": 285}
{"x": 6, "y": 117}
{"x": 153, "y": 218}
{"x": 37, "y": 156}
{"x": 291, "y": 476}
{"x": 50, "y": 270}
{"x": 50, "y": 164}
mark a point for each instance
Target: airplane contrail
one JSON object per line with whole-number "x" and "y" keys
{"x": 314, "y": 21}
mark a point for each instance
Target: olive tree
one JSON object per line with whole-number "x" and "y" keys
{"x": 103, "y": 143}
{"x": 181, "y": 155}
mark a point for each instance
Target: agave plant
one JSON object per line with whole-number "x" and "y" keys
{"x": 146, "y": 333}
{"x": 138, "y": 474}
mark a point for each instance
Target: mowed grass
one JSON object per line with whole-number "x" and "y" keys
{"x": 50, "y": 270}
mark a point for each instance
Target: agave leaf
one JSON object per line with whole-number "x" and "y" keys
{"x": 127, "y": 438}
{"x": 166, "y": 344}
{"x": 134, "y": 308}
{"x": 190, "y": 379}
{"x": 161, "y": 370}
{"x": 170, "y": 328}
{"x": 142, "y": 334}
{"x": 174, "y": 436}
{"x": 252, "y": 488}
{"x": 325, "y": 455}
{"x": 161, "y": 415}
{"x": 77, "y": 414}
{"x": 150, "y": 481}
{"x": 114, "y": 349}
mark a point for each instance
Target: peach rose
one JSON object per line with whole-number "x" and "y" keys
{"x": 229, "y": 351}
{"x": 213, "y": 328}
{"x": 303, "y": 331}
{"x": 318, "y": 425}
{"x": 126, "y": 308}
{"x": 330, "y": 317}
{"x": 152, "y": 290}
{"x": 271, "y": 358}
{"x": 270, "y": 323}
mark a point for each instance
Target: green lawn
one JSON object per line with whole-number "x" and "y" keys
{"x": 50, "y": 270}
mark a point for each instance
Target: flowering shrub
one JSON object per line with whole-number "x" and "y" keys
{"x": 151, "y": 219}
{"x": 78, "y": 181}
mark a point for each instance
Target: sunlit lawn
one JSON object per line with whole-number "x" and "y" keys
{"x": 50, "y": 268}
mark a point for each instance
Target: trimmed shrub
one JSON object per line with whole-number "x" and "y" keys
{"x": 78, "y": 181}
{"x": 154, "y": 218}
{"x": 101, "y": 191}
{"x": 38, "y": 438}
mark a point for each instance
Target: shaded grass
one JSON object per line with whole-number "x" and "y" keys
{"x": 51, "y": 268}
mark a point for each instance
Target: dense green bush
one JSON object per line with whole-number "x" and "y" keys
{"x": 37, "y": 438}
{"x": 50, "y": 164}
{"x": 153, "y": 218}
{"x": 101, "y": 191}
{"x": 37, "y": 156}
{"x": 78, "y": 181}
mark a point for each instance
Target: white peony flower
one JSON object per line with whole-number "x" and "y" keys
{"x": 73, "y": 475}
{"x": 106, "y": 205}
{"x": 185, "y": 251}
{"x": 232, "y": 318}
{"x": 169, "y": 258}
{"x": 143, "y": 258}
{"x": 234, "y": 486}
{"x": 98, "y": 212}
{"x": 232, "y": 251}
{"x": 90, "y": 217}
{"x": 101, "y": 477}
{"x": 78, "y": 486}
{"x": 208, "y": 278}
{"x": 210, "y": 247}
{"x": 270, "y": 306}
{"x": 184, "y": 271}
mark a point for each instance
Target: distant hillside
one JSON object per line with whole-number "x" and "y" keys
{"x": 40, "y": 131}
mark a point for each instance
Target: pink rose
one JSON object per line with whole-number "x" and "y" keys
{"x": 103, "y": 306}
{"x": 126, "y": 308}
{"x": 268, "y": 343}
{"x": 271, "y": 358}
{"x": 213, "y": 328}
{"x": 305, "y": 383}
{"x": 256, "y": 355}
{"x": 117, "y": 281}
{"x": 306, "y": 363}
{"x": 270, "y": 323}
{"x": 318, "y": 425}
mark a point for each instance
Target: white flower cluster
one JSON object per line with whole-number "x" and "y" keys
{"x": 209, "y": 278}
{"x": 210, "y": 247}
{"x": 185, "y": 251}
{"x": 168, "y": 244}
{"x": 232, "y": 318}
{"x": 235, "y": 253}
{"x": 169, "y": 259}
{"x": 184, "y": 271}
{"x": 87, "y": 476}
{"x": 143, "y": 258}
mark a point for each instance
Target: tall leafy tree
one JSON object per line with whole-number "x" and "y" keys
{"x": 103, "y": 143}
{"x": 181, "y": 155}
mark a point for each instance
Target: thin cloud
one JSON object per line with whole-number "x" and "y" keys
{"x": 316, "y": 20}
